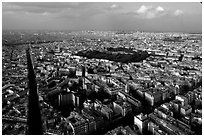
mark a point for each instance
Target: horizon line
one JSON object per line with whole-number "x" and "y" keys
{"x": 158, "y": 31}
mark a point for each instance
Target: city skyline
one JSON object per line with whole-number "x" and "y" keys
{"x": 148, "y": 16}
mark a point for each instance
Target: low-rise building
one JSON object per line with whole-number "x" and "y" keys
{"x": 186, "y": 110}
{"x": 182, "y": 99}
{"x": 153, "y": 96}
{"x": 106, "y": 112}
{"x": 142, "y": 122}
{"x": 164, "y": 113}
{"x": 122, "y": 107}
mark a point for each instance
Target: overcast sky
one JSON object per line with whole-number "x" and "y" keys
{"x": 157, "y": 16}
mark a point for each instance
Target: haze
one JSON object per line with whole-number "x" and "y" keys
{"x": 174, "y": 17}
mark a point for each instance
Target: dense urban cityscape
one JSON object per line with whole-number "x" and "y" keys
{"x": 101, "y": 83}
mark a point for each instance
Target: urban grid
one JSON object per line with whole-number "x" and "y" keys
{"x": 95, "y": 82}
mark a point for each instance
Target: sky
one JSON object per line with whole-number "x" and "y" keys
{"x": 154, "y": 16}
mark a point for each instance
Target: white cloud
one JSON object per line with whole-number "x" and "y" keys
{"x": 178, "y": 12}
{"x": 160, "y": 8}
{"x": 150, "y": 12}
{"x": 144, "y": 9}
{"x": 113, "y": 6}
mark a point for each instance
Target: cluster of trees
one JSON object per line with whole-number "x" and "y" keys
{"x": 120, "y": 57}
{"x": 174, "y": 39}
{"x": 129, "y": 50}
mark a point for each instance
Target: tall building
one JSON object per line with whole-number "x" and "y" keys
{"x": 34, "y": 121}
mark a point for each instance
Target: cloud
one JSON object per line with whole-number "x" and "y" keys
{"x": 144, "y": 9}
{"x": 150, "y": 12}
{"x": 160, "y": 8}
{"x": 113, "y": 6}
{"x": 178, "y": 12}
